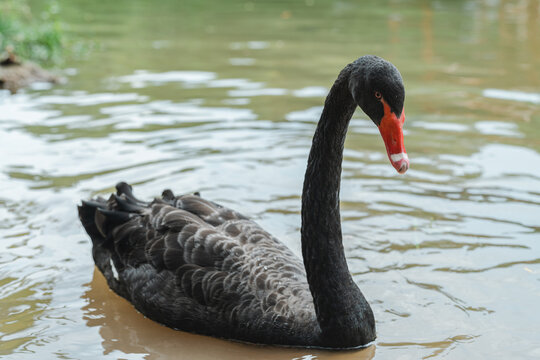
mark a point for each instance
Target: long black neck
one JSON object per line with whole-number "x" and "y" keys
{"x": 344, "y": 315}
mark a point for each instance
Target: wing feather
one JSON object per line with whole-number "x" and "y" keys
{"x": 186, "y": 261}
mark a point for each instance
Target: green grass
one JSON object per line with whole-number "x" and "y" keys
{"x": 30, "y": 36}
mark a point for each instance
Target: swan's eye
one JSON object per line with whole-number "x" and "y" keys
{"x": 378, "y": 95}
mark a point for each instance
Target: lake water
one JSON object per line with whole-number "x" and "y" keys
{"x": 223, "y": 98}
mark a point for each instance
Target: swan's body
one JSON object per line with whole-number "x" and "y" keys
{"x": 197, "y": 266}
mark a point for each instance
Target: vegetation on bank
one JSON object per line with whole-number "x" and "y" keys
{"x": 28, "y": 34}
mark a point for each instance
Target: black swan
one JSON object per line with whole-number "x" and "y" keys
{"x": 197, "y": 266}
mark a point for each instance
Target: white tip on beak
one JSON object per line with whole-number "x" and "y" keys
{"x": 400, "y": 162}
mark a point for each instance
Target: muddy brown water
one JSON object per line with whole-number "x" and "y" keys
{"x": 223, "y": 98}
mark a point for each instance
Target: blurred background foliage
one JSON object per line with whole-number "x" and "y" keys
{"x": 31, "y": 35}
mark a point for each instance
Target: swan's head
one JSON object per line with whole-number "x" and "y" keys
{"x": 377, "y": 87}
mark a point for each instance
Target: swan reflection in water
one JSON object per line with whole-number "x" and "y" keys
{"x": 124, "y": 330}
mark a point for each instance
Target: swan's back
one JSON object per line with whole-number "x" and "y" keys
{"x": 194, "y": 265}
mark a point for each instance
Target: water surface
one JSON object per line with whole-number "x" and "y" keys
{"x": 223, "y": 99}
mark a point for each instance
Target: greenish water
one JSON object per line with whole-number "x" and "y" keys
{"x": 223, "y": 98}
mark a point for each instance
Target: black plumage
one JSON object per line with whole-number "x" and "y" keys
{"x": 197, "y": 266}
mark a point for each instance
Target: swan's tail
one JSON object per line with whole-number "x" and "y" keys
{"x": 99, "y": 216}
{"x": 87, "y": 215}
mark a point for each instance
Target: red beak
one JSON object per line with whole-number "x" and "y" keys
{"x": 391, "y": 129}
